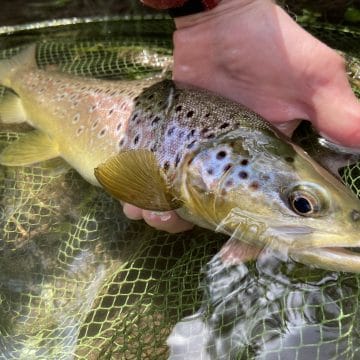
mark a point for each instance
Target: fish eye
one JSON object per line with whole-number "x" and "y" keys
{"x": 307, "y": 201}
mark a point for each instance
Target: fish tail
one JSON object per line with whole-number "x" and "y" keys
{"x": 26, "y": 58}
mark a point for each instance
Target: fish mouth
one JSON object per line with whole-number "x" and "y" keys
{"x": 322, "y": 249}
{"x": 330, "y": 258}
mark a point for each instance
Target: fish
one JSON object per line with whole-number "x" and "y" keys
{"x": 163, "y": 145}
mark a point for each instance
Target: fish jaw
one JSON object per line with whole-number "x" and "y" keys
{"x": 334, "y": 259}
{"x": 322, "y": 249}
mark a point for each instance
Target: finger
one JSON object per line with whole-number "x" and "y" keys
{"x": 337, "y": 112}
{"x": 341, "y": 123}
{"x": 132, "y": 212}
{"x": 288, "y": 127}
{"x": 168, "y": 221}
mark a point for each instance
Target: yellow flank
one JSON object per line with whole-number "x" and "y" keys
{"x": 81, "y": 118}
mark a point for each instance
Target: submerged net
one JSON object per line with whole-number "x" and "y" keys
{"x": 80, "y": 281}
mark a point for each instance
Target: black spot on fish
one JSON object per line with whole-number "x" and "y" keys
{"x": 178, "y": 108}
{"x": 190, "y": 114}
{"x": 102, "y": 132}
{"x": 95, "y": 124}
{"x": 244, "y": 162}
{"x": 210, "y": 136}
{"x": 136, "y": 139}
{"x": 76, "y": 118}
{"x": 210, "y": 171}
{"x": 189, "y": 146}
{"x": 221, "y": 155}
{"x": 224, "y": 125}
{"x": 118, "y": 127}
{"x": 227, "y": 167}
{"x": 229, "y": 183}
{"x": 121, "y": 142}
{"x": 171, "y": 131}
{"x": 190, "y": 134}
{"x": 150, "y": 97}
{"x": 176, "y": 96}
{"x": 243, "y": 175}
{"x": 153, "y": 148}
{"x": 204, "y": 130}
{"x": 134, "y": 117}
{"x": 207, "y": 115}
{"x": 289, "y": 159}
{"x": 180, "y": 135}
{"x": 155, "y": 120}
{"x": 166, "y": 166}
{"x": 177, "y": 159}
{"x": 111, "y": 111}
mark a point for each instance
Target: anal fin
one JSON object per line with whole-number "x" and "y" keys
{"x": 11, "y": 109}
{"x": 31, "y": 148}
{"x": 135, "y": 177}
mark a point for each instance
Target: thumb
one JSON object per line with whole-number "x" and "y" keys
{"x": 337, "y": 112}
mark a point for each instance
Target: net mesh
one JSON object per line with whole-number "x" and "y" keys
{"x": 80, "y": 281}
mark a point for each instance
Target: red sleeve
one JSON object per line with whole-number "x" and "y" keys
{"x": 164, "y": 4}
{"x": 169, "y": 4}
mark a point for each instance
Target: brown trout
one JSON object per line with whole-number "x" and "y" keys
{"x": 162, "y": 145}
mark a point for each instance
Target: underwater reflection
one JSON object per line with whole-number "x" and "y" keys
{"x": 272, "y": 309}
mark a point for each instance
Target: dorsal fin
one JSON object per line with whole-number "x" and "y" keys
{"x": 134, "y": 176}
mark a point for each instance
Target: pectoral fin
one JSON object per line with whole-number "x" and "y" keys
{"x": 31, "y": 148}
{"x": 135, "y": 177}
{"x": 11, "y": 109}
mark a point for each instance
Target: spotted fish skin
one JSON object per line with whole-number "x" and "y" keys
{"x": 86, "y": 118}
{"x": 91, "y": 120}
{"x": 172, "y": 120}
{"x": 221, "y": 165}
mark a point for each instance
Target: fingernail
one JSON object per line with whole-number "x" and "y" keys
{"x": 164, "y": 216}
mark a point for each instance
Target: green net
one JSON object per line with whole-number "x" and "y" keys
{"x": 80, "y": 281}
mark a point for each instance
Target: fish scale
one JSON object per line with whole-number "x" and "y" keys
{"x": 186, "y": 119}
{"x": 161, "y": 145}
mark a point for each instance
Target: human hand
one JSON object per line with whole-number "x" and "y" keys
{"x": 168, "y": 221}
{"x": 252, "y": 52}
{"x": 257, "y": 55}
